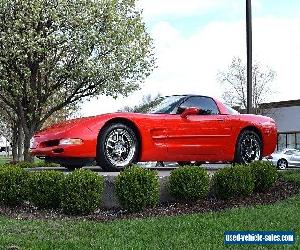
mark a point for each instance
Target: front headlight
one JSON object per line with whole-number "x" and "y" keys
{"x": 70, "y": 141}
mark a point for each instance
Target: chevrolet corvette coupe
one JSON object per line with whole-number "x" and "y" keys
{"x": 179, "y": 128}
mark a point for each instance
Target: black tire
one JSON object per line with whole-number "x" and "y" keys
{"x": 248, "y": 147}
{"x": 189, "y": 163}
{"x": 282, "y": 164}
{"x": 125, "y": 149}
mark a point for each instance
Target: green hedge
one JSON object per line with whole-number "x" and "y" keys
{"x": 81, "y": 192}
{"x": 137, "y": 188}
{"x": 265, "y": 175}
{"x": 44, "y": 164}
{"x": 13, "y": 185}
{"x": 189, "y": 183}
{"x": 233, "y": 181}
{"x": 24, "y": 164}
{"x": 45, "y": 189}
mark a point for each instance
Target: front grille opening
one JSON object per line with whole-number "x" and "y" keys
{"x": 58, "y": 150}
{"x": 51, "y": 143}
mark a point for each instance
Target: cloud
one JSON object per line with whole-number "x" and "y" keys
{"x": 190, "y": 64}
{"x": 154, "y": 8}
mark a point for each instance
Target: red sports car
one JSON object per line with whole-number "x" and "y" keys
{"x": 179, "y": 128}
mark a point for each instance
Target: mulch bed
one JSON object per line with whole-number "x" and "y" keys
{"x": 280, "y": 191}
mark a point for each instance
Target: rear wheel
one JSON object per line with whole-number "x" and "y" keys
{"x": 282, "y": 164}
{"x": 248, "y": 147}
{"x": 117, "y": 147}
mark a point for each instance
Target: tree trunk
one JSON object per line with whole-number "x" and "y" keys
{"x": 14, "y": 140}
{"x": 20, "y": 142}
{"x": 27, "y": 137}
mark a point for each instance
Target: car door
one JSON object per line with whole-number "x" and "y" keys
{"x": 295, "y": 159}
{"x": 205, "y": 134}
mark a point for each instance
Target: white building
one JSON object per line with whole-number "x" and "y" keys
{"x": 3, "y": 144}
{"x": 287, "y": 117}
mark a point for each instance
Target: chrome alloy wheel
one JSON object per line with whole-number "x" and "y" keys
{"x": 282, "y": 164}
{"x": 120, "y": 147}
{"x": 250, "y": 148}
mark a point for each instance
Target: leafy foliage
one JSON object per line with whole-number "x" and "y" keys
{"x": 233, "y": 181}
{"x": 13, "y": 185}
{"x": 137, "y": 188}
{"x": 148, "y": 102}
{"x": 21, "y": 164}
{"x": 53, "y": 54}
{"x": 82, "y": 192}
{"x": 25, "y": 164}
{"x": 45, "y": 188}
{"x": 189, "y": 183}
{"x": 264, "y": 173}
{"x": 44, "y": 164}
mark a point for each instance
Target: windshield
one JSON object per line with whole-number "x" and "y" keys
{"x": 165, "y": 105}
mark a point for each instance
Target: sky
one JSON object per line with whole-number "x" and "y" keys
{"x": 196, "y": 39}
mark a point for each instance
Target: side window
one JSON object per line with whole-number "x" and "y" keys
{"x": 205, "y": 104}
{"x": 290, "y": 152}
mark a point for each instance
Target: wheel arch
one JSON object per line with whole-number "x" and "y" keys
{"x": 126, "y": 122}
{"x": 254, "y": 129}
{"x": 249, "y": 128}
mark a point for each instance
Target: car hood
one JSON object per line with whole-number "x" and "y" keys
{"x": 65, "y": 126}
{"x": 87, "y": 122}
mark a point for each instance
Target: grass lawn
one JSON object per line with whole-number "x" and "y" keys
{"x": 198, "y": 231}
{"x": 4, "y": 159}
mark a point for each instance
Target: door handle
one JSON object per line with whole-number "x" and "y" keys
{"x": 220, "y": 120}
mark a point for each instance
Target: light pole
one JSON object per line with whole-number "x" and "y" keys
{"x": 249, "y": 55}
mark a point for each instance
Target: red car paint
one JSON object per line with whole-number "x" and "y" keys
{"x": 163, "y": 137}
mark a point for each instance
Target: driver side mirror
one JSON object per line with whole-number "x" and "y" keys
{"x": 190, "y": 111}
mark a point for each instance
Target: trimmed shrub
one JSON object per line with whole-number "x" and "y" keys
{"x": 233, "y": 181}
{"x": 265, "y": 175}
{"x": 137, "y": 188}
{"x": 44, "y": 164}
{"x": 45, "y": 189}
{"x": 81, "y": 192}
{"x": 13, "y": 185}
{"x": 21, "y": 164}
{"x": 24, "y": 164}
{"x": 189, "y": 183}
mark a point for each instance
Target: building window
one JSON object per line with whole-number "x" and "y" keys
{"x": 281, "y": 143}
{"x": 288, "y": 140}
{"x": 298, "y": 140}
{"x": 291, "y": 141}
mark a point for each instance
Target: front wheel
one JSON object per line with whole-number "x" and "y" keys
{"x": 282, "y": 164}
{"x": 248, "y": 147}
{"x": 117, "y": 147}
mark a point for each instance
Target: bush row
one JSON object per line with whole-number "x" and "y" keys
{"x": 24, "y": 164}
{"x": 80, "y": 192}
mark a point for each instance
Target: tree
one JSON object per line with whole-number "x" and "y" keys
{"x": 234, "y": 81}
{"x": 147, "y": 103}
{"x": 66, "y": 113}
{"x": 11, "y": 129}
{"x": 55, "y": 53}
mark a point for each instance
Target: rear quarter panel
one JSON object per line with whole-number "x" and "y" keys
{"x": 264, "y": 125}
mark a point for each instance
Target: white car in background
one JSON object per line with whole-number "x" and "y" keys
{"x": 288, "y": 157}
